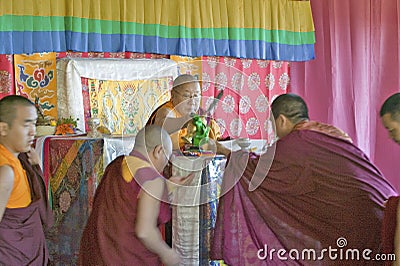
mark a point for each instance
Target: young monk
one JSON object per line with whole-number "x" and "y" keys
{"x": 24, "y": 210}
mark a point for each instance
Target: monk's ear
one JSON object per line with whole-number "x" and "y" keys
{"x": 174, "y": 96}
{"x": 3, "y": 128}
{"x": 280, "y": 120}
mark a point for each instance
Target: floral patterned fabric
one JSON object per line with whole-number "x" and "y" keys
{"x": 125, "y": 106}
{"x": 6, "y": 75}
{"x": 73, "y": 170}
{"x": 248, "y": 86}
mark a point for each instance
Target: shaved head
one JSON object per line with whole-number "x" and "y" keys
{"x": 155, "y": 144}
{"x": 151, "y": 136}
{"x": 8, "y": 107}
{"x": 291, "y": 106}
{"x": 390, "y": 116}
{"x": 391, "y": 106}
{"x": 183, "y": 79}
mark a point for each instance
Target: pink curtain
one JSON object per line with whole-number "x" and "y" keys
{"x": 248, "y": 86}
{"x": 355, "y": 70}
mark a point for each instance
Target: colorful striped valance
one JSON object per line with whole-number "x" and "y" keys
{"x": 261, "y": 29}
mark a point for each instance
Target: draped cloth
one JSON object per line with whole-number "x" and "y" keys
{"x": 355, "y": 109}
{"x": 27, "y": 224}
{"x": 261, "y": 29}
{"x": 323, "y": 128}
{"x": 389, "y": 225}
{"x": 319, "y": 189}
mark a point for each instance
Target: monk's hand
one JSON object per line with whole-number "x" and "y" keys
{"x": 221, "y": 149}
{"x": 33, "y": 157}
{"x": 176, "y": 181}
{"x": 188, "y": 118}
{"x": 171, "y": 258}
{"x": 181, "y": 180}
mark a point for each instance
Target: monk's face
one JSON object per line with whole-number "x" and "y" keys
{"x": 162, "y": 154}
{"x": 186, "y": 98}
{"x": 18, "y": 137}
{"x": 392, "y": 126}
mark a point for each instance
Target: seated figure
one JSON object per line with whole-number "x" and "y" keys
{"x": 175, "y": 116}
{"x": 317, "y": 196}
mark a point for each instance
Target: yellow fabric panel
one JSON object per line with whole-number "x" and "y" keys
{"x": 189, "y": 65}
{"x": 35, "y": 76}
{"x": 125, "y": 106}
{"x": 34, "y": 7}
{"x": 266, "y": 14}
{"x": 278, "y": 15}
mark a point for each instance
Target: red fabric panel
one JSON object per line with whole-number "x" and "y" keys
{"x": 6, "y": 75}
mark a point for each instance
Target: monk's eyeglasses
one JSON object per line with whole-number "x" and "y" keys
{"x": 188, "y": 96}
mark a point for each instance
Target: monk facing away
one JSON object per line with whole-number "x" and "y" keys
{"x": 320, "y": 202}
{"x": 130, "y": 204}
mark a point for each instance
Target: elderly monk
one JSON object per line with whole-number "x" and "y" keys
{"x": 176, "y": 114}
{"x": 320, "y": 197}
{"x": 24, "y": 210}
{"x": 129, "y": 206}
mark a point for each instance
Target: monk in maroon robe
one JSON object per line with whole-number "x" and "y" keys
{"x": 129, "y": 206}
{"x": 24, "y": 211}
{"x": 27, "y": 224}
{"x": 320, "y": 202}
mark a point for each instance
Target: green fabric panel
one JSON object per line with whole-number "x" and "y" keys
{"x": 40, "y": 23}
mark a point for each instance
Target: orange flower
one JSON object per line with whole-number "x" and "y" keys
{"x": 64, "y": 129}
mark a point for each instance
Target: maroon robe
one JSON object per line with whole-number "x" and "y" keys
{"x": 22, "y": 230}
{"x": 389, "y": 226}
{"x": 109, "y": 235}
{"x": 319, "y": 190}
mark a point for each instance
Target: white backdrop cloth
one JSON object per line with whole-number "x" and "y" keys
{"x": 70, "y": 71}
